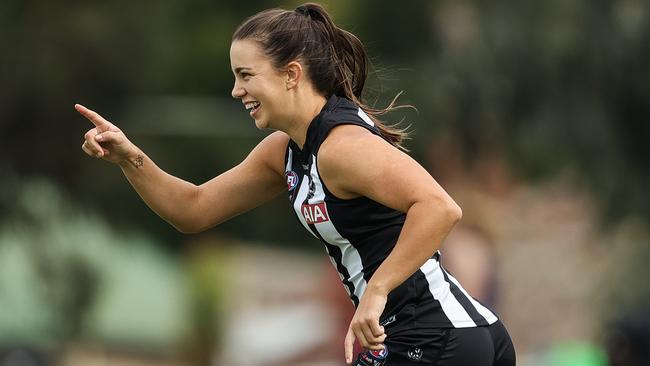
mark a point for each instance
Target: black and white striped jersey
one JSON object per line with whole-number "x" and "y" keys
{"x": 360, "y": 233}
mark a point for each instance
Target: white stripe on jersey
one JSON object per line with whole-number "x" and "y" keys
{"x": 365, "y": 117}
{"x": 289, "y": 161}
{"x": 439, "y": 288}
{"x": 485, "y": 312}
{"x": 351, "y": 259}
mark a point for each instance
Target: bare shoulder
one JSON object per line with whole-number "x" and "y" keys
{"x": 349, "y": 156}
{"x": 271, "y": 151}
{"x": 276, "y": 141}
{"x": 355, "y": 162}
{"x": 348, "y": 140}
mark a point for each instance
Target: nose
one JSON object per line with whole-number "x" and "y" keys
{"x": 237, "y": 91}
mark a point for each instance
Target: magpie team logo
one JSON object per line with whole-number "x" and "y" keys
{"x": 415, "y": 353}
{"x": 292, "y": 180}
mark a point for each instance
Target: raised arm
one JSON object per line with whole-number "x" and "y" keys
{"x": 186, "y": 206}
{"x": 353, "y": 162}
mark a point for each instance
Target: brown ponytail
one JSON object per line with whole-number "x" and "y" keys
{"x": 340, "y": 69}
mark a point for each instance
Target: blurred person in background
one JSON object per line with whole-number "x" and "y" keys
{"x": 381, "y": 216}
{"x": 470, "y": 257}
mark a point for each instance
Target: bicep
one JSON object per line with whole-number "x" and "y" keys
{"x": 254, "y": 181}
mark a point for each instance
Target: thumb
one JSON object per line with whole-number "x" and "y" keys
{"x": 110, "y": 136}
{"x": 349, "y": 346}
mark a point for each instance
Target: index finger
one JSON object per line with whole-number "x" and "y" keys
{"x": 349, "y": 346}
{"x": 92, "y": 116}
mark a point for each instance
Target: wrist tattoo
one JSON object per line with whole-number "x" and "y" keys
{"x": 139, "y": 161}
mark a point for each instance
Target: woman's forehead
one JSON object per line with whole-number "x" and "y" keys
{"x": 246, "y": 52}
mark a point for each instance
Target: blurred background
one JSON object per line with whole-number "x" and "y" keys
{"x": 532, "y": 114}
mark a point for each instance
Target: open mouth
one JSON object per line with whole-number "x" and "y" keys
{"x": 253, "y": 107}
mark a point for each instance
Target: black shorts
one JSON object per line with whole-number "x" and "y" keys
{"x": 481, "y": 346}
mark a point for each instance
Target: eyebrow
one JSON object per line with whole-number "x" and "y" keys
{"x": 240, "y": 69}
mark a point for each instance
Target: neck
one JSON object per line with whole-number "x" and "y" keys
{"x": 307, "y": 111}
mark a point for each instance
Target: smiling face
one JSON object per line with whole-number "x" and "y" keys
{"x": 261, "y": 87}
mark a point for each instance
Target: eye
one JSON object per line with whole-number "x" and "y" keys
{"x": 245, "y": 75}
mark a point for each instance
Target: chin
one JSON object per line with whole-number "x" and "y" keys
{"x": 261, "y": 124}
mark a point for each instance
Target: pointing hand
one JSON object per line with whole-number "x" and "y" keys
{"x": 105, "y": 141}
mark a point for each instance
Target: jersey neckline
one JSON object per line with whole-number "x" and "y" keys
{"x": 312, "y": 129}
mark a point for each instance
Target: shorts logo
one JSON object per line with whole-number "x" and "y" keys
{"x": 315, "y": 213}
{"x": 292, "y": 180}
{"x": 414, "y": 353}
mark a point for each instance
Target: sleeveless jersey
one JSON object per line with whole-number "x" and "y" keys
{"x": 360, "y": 233}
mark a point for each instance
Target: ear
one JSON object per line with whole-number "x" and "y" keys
{"x": 294, "y": 74}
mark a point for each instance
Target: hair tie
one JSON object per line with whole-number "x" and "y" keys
{"x": 305, "y": 10}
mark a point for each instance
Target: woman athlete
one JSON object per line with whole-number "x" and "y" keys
{"x": 380, "y": 215}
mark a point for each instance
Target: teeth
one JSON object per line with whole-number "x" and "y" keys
{"x": 252, "y": 105}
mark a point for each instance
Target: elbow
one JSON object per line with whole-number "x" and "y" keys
{"x": 448, "y": 210}
{"x": 454, "y": 212}
{"x": 188, "y": 225}
{"x": 194, "y": 226}
{"x": 186, "y": 228}
{"x": 444, "y": 209}
{"x": 189, "y": 221}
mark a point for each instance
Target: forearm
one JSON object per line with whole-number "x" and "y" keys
{"x": 422, "y": 234}
{"x": 170, "y": 197}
